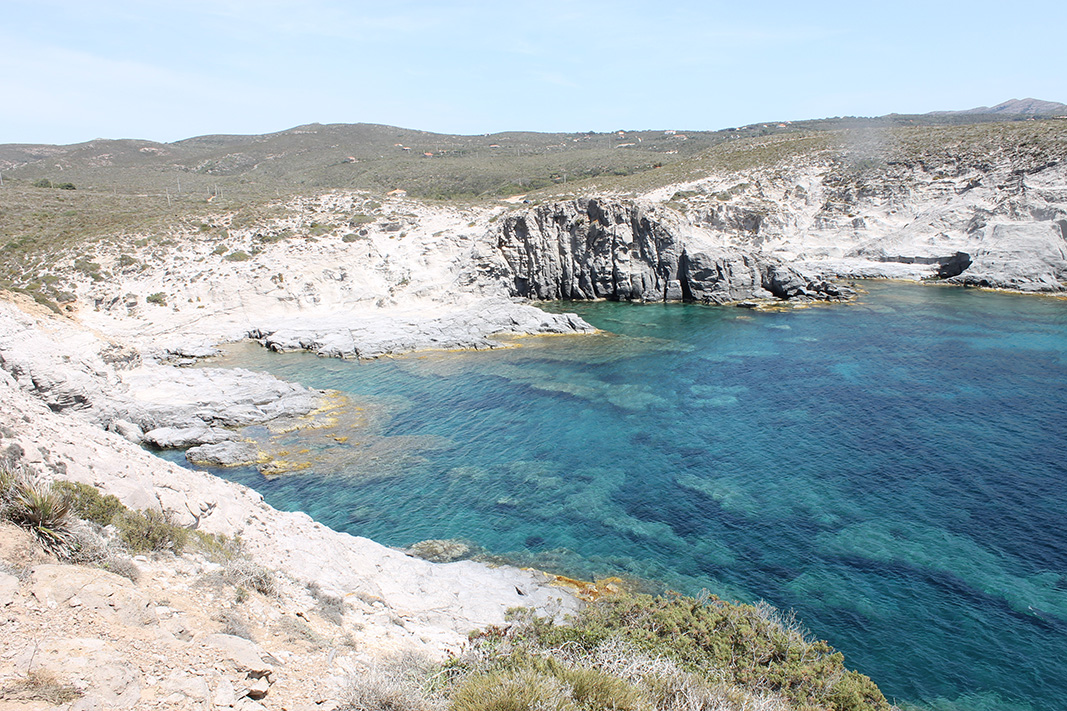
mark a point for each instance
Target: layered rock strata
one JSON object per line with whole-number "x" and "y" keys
{"x": 625, "y": 250}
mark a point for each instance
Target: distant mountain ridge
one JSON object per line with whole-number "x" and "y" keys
{"x": 1017, "y": 107}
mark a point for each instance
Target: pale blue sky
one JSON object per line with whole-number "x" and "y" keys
{"x": 167, "y": 70}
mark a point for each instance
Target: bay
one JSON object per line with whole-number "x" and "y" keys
{"x": 893, "y": 469}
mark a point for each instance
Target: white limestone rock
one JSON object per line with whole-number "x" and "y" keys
{"x": 223, "y": 454}
{"x": 1027, "y": 257}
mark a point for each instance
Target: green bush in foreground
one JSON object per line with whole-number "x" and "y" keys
{"x": 88, "y": 503}
{"x": 750, "y": 647}
{"x": 150, "y": 531}
{"x": 629, "y": 653}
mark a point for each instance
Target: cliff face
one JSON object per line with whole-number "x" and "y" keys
{"x": 592, "y": 248}
{"x": 986, "y": 210}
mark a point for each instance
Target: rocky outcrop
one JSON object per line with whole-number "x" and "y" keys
{"x": 473, "y": 328}
{"x": 624, "y": 250}
{"x": 1022, "y": 256}
{"x": 71, "y": 369}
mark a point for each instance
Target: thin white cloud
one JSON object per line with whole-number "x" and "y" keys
{"x": 103, "y": 96}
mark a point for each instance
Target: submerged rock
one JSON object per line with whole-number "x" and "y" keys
{"x": 224, "y": 454}
{"x": 442, "y": 550}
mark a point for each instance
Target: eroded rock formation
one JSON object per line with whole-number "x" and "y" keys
{"x": 626, "y": 250}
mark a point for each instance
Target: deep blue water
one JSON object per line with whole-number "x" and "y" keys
{"x": 894, "y": 470}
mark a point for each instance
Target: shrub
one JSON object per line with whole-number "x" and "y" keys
{"x": 233, "y": 623}
{"x": 7, "y": 489}
{"x": 294, "y": 629}
{"x": 42, "y": 510}
{"x": 157, "y": 298}
{"x": 396, "y": 686}
{"x": 89, "y": 268}
{"x": 123, "y": 566}
{"x": 751, "y": 645}
{"x": 88, "y": 503}
{"x": 237, "y": 256}
{"x": 522, "y": 690}
{"x": 220, "y": 249}
{"x": 244, "y": 573}
{"x": 217, "y": 548}
{"x": 150, "y": 531}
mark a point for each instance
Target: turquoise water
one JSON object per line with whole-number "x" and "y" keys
{"x": 893, "y": 470}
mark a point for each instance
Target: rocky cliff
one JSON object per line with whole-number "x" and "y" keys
{"x": 627, "y": 250}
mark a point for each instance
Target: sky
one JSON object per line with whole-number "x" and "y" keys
{"x": 165, "y": 70}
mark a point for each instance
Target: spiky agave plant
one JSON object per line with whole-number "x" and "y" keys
{"x": 46, "y": 513}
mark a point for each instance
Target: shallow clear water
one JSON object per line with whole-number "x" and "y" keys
{"x": 894, "y": 470}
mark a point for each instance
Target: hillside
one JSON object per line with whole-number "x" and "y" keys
{"x": 383, "y": 158}
{"x": 871, "y": 192}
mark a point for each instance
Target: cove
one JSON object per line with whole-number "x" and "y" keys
{"x": 892, "y": 469}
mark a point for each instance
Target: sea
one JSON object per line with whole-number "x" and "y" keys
{"x": 893, "y": 469}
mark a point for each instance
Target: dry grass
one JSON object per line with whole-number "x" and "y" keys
{"x": 39, "y": 685}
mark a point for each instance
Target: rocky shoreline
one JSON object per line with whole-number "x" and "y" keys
{"x": 81, "y": 392}
{"x": 82, "y": 418}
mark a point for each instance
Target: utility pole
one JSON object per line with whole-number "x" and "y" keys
{"x": 168, "y": 197}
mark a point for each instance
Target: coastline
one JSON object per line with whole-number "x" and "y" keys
{"x": 81, "y": 391}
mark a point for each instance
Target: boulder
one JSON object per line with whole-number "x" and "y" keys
{"x": 246, "y": 655}
{"x": 223, "y": 454}
{"x": 181, "y": 437}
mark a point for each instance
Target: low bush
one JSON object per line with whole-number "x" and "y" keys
{"x": 330, "y": 607}
{"x": 396, "y": 686}
{"x": 749, "y": 647}
{"x": 234, "y": 624}
{"x": 120, "y": 565}
{"x": 157, "y": 298}
{"x": 218, "y": 548}
{"x": 237, "y": 256}
{"x": 521, "y": 690}
{"x": 150, "y": 531}
{"x": 88, "y": 503}
{"x": 244, "y": 573}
